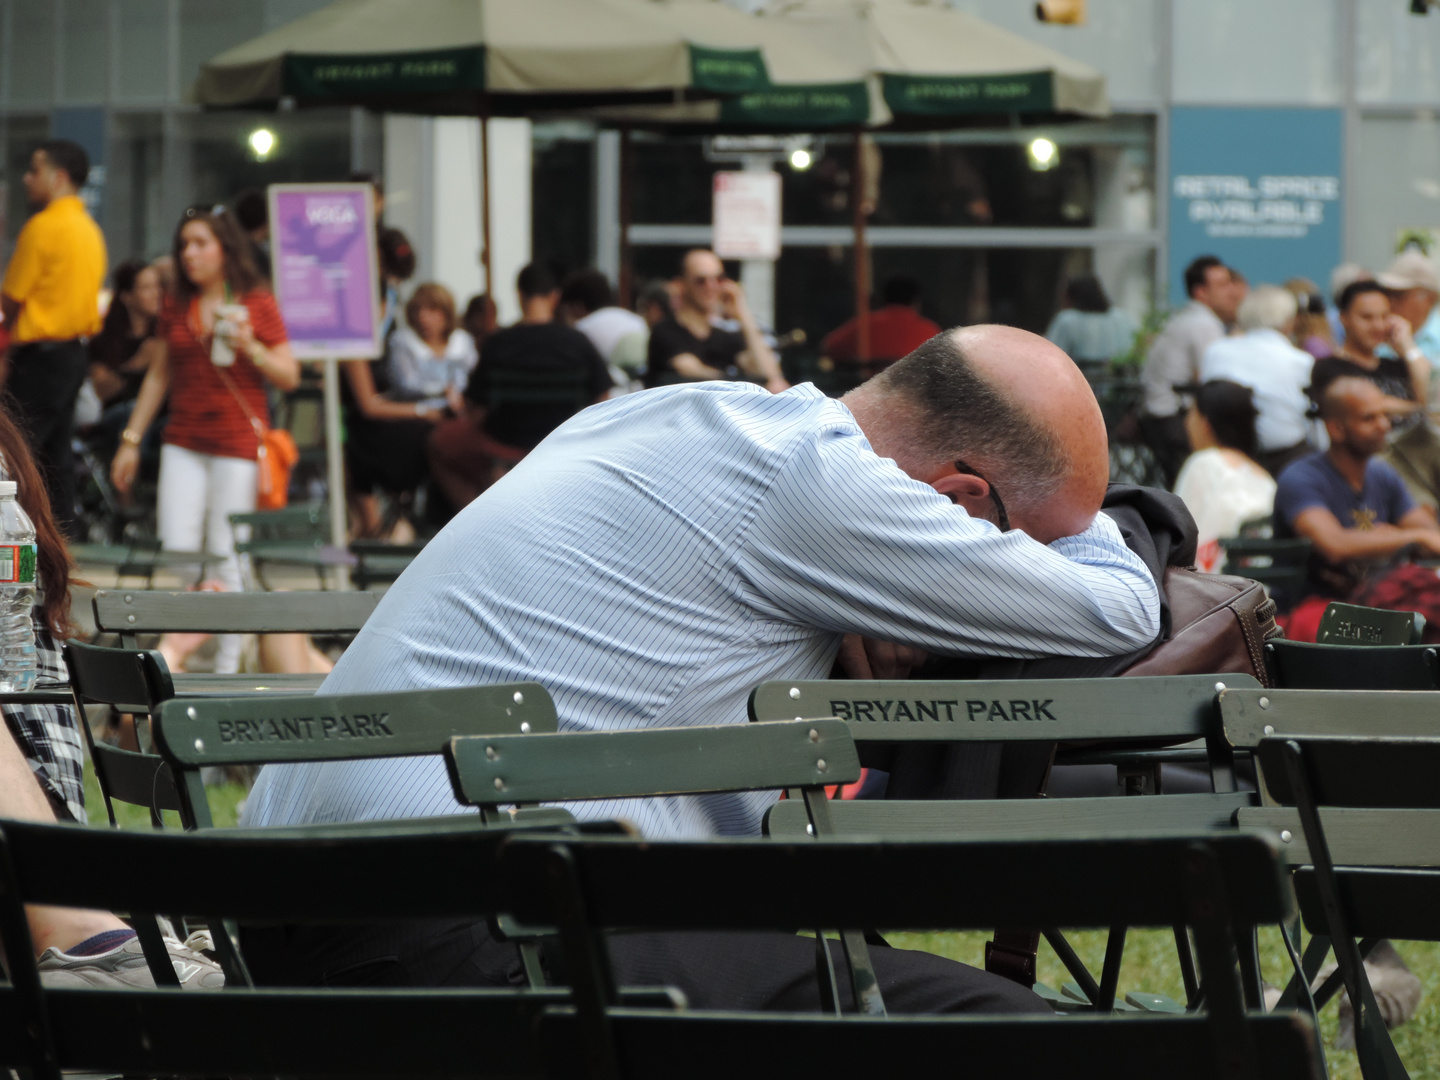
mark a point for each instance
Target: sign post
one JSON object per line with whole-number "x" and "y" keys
{"x": 327, "y": 278}
{"x": 746, "y": 216}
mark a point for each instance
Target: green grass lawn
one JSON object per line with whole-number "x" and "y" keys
{"x": 1150, "y": 963}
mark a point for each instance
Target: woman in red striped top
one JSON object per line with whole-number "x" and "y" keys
{"x": 207, "y": 463}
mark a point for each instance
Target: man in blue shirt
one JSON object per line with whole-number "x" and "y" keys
{"x": 660, "y": 554}
{"x": 1352, "y": 506}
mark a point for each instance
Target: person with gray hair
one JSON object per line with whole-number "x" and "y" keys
{"x": 1263, "y": 358}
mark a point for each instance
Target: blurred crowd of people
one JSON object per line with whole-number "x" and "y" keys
{"x": 1279, "y": 409}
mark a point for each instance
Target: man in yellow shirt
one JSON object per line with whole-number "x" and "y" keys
{"x": 50, "y": 300}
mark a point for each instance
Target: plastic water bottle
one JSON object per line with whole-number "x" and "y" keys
{"x": 17, "y": 593}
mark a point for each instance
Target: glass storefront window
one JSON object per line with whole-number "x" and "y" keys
{"x": 1280, "y": 52}
{"x": 1397, "y": 54}
{"x": 32, "y": 53}
{"x": 1397, "y": 181}
{"x": 1119, "y": 38}
{"x": 85, "y": 56}
{"x": 562, "y": 203}
{"x": 209, "y": 27}
{"x": 144, "y": 65}
{"x": 309, "y": 146}
{"x": 136, "y": 224}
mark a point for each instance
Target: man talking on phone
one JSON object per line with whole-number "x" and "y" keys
{"x": 689, "y": 346}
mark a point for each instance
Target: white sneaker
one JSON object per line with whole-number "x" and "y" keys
{"x": 124, "y": 967}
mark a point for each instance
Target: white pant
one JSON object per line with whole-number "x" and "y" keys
{"x": 198, "y": 493}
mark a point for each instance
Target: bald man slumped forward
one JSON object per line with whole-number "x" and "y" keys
{"x": 660, "y": 554}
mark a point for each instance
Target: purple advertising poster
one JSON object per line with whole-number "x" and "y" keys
{"x": 322, "y": 240}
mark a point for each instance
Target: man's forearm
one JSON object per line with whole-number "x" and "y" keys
{"x": 766, "y": 362}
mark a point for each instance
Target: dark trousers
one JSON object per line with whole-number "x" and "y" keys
{"x": 45, "y": 378}
{"x": 1166, "y": 437}
{"x": 729, "y": 970}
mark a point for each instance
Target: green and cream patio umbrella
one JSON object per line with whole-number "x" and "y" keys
{"x": 936, "y": 65}
{"x": 490, "y": 58}
{"x": 480, "y": 57}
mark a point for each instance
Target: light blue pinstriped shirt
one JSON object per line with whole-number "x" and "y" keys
{"x": 662, "y": 553}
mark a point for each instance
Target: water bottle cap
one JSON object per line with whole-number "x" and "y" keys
{"x": 7, "y": 489}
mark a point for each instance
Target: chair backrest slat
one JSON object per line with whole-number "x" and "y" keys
{"x": 1177, "y": 707}
{"x": 138, "y": 611}
{"x": 1351, "y": 624}
{"x": 1136, "y": 881}
{"x": 651, "y": 762}
{"x": 329, "y": 872}
{"x": 1377, "y": 772}
{"x": 1299, "y": 665}
{"x": 1177, "y": 1048}
{"x": 1355, "y": 837}
{"x": 997, "y": 818}
{"x": 1247, "y": 714}
{"x": 262, "y": 729}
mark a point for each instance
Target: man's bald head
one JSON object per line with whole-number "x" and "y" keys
{"x": 1356, "y": 415}
{"x": 1006, "y": 403}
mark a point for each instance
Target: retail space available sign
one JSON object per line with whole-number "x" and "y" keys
{"x": 326, "y": 275}
{"x": 1259, "y": 188}
{"x": 746, "y": 215}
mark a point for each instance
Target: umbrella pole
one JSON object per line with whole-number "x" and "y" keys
{"x": 862, "y": 254}
{"x": 626, "y": 284}
{"x": 485, "y": 197}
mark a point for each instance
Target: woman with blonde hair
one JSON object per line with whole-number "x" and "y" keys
{"x": 397, "y": 404}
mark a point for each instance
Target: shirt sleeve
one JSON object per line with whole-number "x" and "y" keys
{"x": 25, "y": 263}
{"x": 1398, "y": 498}
{"x": 267, "y": 321}
{"x": 847, "y": 542}
{"x": 1298, "y": 492}
{"x": 663, "y": 348}
{"x": 404, "y": 370}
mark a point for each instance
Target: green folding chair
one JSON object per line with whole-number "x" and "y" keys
{"x": 321, "y": 875}
{"x": 131, "y": 612}
{"x": 1219, "y": 885}
{"x": 1348, "y": 786}
{"x": 1116, "y": 721}
{"x": 801, "y": 756}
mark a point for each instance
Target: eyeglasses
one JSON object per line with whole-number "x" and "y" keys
{"x": 217, "y": 210}
{"x": 1002, "y": 518}
{"x": 703, "y": 279}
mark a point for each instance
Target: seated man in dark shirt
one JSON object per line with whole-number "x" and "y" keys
{"x": 1351, "y": 505}
{"x": 1369, "y": 326}
{"x": 689, "y": 347}
{"x": 531, "y": 378}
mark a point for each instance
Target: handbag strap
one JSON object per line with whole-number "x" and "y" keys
{"x": 261, "y": 428}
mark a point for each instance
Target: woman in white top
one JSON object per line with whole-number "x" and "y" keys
{"x": 1221, "y": 484}
{"x": 1089, "y": 329}
{"x": 430, "y": 357}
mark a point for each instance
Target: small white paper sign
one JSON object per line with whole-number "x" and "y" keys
{"x": 746, "y": 215}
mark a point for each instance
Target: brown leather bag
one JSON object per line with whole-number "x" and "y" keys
{"x": 1218, "y": 624}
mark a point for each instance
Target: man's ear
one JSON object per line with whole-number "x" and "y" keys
{"x": 961, "y": 487}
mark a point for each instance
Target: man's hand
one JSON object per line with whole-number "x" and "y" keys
{"x": 732, "y": 300}
{"x": 866, "y": 658}
{"x": 1399, "y": 335}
